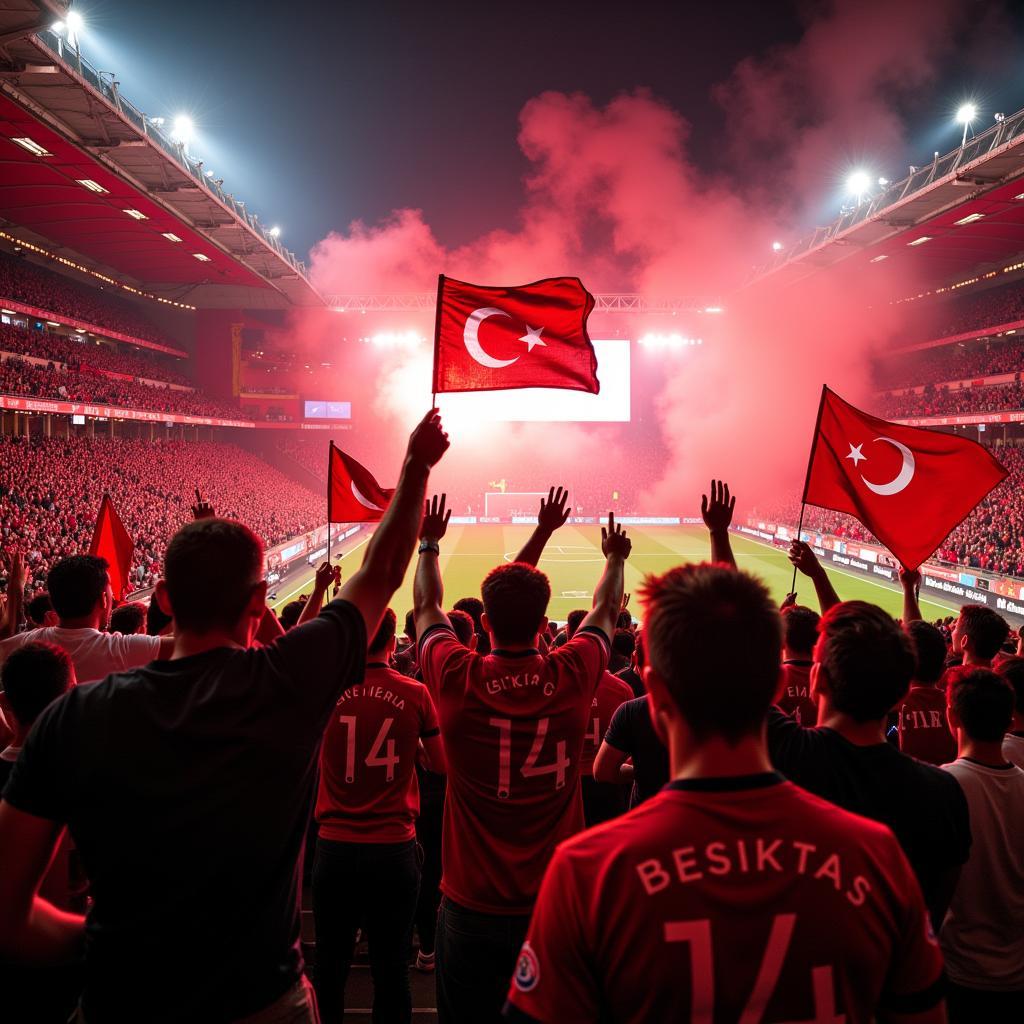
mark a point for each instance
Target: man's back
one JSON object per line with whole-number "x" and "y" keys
{"x": 923, "y": 730}
{"x": 513, "y": 725}
{"x": 983, "y": 933}
{"x": 923, "y": 806}
{"x": 632, "y": 732}
{"x": 795, "y": 696}
{"x": 187, "y": 786}
{"x": 93, "y": 653}
{"x": 612, "y": 692}
{"x": 727, "y": 899}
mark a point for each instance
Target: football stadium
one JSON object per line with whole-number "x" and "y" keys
{"x": 511, "y": 514}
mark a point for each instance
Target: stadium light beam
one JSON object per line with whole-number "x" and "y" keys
{"x": 275, "y": 232}
{"x": 184, "y": 129}
{"x": 857, "y": 183}
{"x": 965, "y": 115}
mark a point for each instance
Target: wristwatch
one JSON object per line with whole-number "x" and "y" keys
{"x": 430, "y": 545}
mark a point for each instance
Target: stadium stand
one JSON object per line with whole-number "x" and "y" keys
{"x": 50, "y": 492}
{"x": 944, "y": 401}
{"x": 959, "y": 361}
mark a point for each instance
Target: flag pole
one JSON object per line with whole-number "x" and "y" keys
{"x": 437, "y": 339}
{"x": 330, "y": 465}
{"x": 807, "y": 478}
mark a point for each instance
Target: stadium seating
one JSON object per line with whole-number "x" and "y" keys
{"x": 50, "y": 492}
{"x": 952, "y": 362}
{"x": 940, "y": 401}
{"x": 36, "y": 286}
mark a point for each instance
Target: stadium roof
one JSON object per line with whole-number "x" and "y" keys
{"x": 960, "y": 216}
{"x": 87, "y": 156}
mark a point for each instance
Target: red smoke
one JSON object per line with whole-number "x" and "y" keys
{"x": 613, "y": 196}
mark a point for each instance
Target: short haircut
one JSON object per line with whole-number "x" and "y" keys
{"x": 624, "y": 643}
{"x": 929, "y": 650}
{"x": 462, "y": 623}
{"x": 986, "y": 628}
{"x": 290, "y": 613}
{"x": 573, "y": 620}
{"x": 1012, "y": 670}
{"x": 800, "y": 628}
{"x": 34, "y": 676}
{"x": 157, "y": 620}
{"x": 410, "y": 624}
{"x": 516, "y": 597}
{"x": 128, "y": 618}
{"x": 473, "y": 607}
{"x": 693, "y": 615}
{"x": 385, "y": 632}
{"x": 76, "y": 585}
{"x": 38, "y": 607}
{"x": 210, "y": 570}
{"x": 625, "y": 619}
{"x": 868, "y": 659}
{"x": 983, "y": 700}
{"x": 640, "y": 650}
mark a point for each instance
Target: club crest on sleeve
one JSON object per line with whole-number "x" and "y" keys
{"x": 527, "y": 969}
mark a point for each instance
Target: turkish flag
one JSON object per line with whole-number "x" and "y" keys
{"x": 909, "y": 486}
{"x": 110, "y": 540}
{"x": 497, "y": 339}
{"x": 353, "y": 496}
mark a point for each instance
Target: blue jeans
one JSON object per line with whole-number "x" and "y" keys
{"x": 374, "y": 886}
{"x": 476, "y": 955}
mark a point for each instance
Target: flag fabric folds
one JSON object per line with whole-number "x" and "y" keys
{"x": 110, "y": 540}
{"x": 353, "y": 496}
{"x": 531, "y": 336}
{"x": 909, "y": 486}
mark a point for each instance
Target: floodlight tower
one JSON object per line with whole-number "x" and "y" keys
{"x": 965, "y": 116}
{"x": 857, "y": 183}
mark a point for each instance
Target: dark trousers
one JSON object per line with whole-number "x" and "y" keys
{"x": 373, "y": 885}
{"x": 973, "y": 1005}
{"x": 428, "y": 832}
{"x": 476, "y": 956}
{"x": 602, "y": 801}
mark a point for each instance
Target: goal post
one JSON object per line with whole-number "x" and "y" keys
{"x": 504, "y": 504}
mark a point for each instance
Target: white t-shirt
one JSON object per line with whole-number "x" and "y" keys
{"x": 94, "y": 654}
{"x": 1013, "y": 748}
{"x": 982, "y": 936}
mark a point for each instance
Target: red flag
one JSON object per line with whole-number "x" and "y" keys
{"x": 110, "y": 540}
{"x": 353, "y": 496}
{"x": 909, "y": 486}
{"x": 497, "y": 339}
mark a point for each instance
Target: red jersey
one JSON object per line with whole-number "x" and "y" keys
{"x": 513, "y": 725}
{"x": 611, "y": 692}
{"x": 368, "y": 791}
{"x": 795, "y": 697}
{"x": 924, "y": 731}
{"x": 744, "y": 899}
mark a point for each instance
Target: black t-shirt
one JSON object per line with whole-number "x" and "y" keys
{"x": 923, "y": 805}
{"x": 187, "y": 786}
{"x": 633, "y": 678}
{"x": 632, "y": 732}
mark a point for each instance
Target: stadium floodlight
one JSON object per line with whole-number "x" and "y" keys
{"x": 275, "y": 232}
{"x": 965, "y": 114}
{"x": 183, "y": 129}
{"x": 857, "y": 183}
{"x": 776, "y": 247}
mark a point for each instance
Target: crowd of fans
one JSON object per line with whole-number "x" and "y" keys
{"x": 36, "y": 286}
{"x": 962, "y": 361}
{"x": 58, "y": 348}
{"x": 940, "y": 401}
{"x": 50, "y": 493}
{"x": 838, "y": 797}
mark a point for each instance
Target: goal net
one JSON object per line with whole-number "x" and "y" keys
{"x": 505, "y": 504}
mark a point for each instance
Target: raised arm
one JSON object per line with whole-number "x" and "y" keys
{"x": 801, "y": 555}
{"x": 15, "y": 596}
{"x": 910, "y": 581}
{"x": 717, "y": 515}
{"x": 322, "y": 580}
{"x": 553, "y": 514}
{"x": 387, "y": 555}
{"x": 428, "y": 587}
{"x": 616, "y": 547}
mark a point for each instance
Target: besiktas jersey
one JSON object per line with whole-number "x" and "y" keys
{"x": 368, "y": 791}
{"x": 610, "y": 694}
{"x": 923, "y": 729}
{"x": 743, "y": 899}
{"x": 513, "y": 725}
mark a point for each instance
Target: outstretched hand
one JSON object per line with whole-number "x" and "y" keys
{"x": 15, "y": 565}
{"x": 435, "y": 519}
{"x": 428, "y": 442}
{"x": 614, "y": 540}
{"x": 325, "y": 575}
{"x": 553, "y": 512}
{"x": 789, "y": 601}
{"x": 717, "y": 512}
{"x": 910, "y": 579}
{"x": 202, "y": 509}
{"x": 801, "y": 556}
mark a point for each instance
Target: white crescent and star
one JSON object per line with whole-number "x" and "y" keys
{"x": 900, "y": 481}
{"x": 471, "y": 339}
{"x": 362, "y": 499}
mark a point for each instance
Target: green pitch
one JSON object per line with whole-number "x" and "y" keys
{"x": 573, "y": 562}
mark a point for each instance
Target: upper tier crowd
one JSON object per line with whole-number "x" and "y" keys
{"x": 824, "y": 818}
{"x": 962, "y": 361}
{"x": 50, "y": 493}
{"x": 938, "y": 401}
{"x": 56, "y": 293}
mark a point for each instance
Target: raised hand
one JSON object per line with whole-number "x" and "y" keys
{"x": 717, "y": 512}
{"x": 910, "y": 579}
{"x": 614, "y": 540}
{"x": 435, "y": 519}
{"x": 625, "y": 601}
{"x": 202, "y": 509}
{"x": 805, "y": 560}
{"x": 428, "y": 441}
{"x": 789, "y": 601}
{"x": 323, "y": 577}
{"x": 553, "y": 512}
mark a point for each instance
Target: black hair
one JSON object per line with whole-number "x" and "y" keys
{"x": 986, "y": 628}
{"x": 385, "y": 632}
{"x": 33, "y": 676}
{"x": 1012, "y": 670}
{"x": 76, "y": 584}
{"x": 800, "y": 628}
{"x": 516, "y": 597}
{"x": 290, "y": 614}
{"x": 573, "y": 620}
{"x": 38, "y": 607}
{"x": 128, "y": 618}
{"x": 983, "y": 700}
{"x": 462, "y": 623}
{"x": 929, "y": 649}
{"x": 473, "y": 607}
{"x": 157, "y": 620}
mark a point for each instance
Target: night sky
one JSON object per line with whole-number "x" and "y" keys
{"x": 317, "y": 114}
